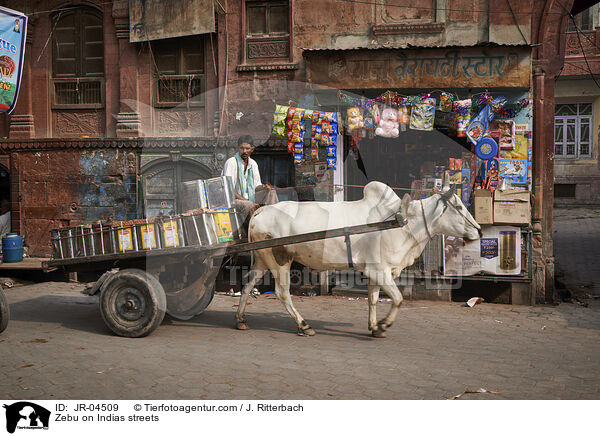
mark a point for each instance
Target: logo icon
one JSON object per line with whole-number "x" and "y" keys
{"x": 26, "y": 415}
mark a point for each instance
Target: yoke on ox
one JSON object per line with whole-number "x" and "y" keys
{"x": 380, "y": 256}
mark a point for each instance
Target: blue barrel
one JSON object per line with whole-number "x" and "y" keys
{"x": 12, "y": 248}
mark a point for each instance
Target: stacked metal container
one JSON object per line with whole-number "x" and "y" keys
{"x": 210, "y": 219}
{"x": 218, "y": 195}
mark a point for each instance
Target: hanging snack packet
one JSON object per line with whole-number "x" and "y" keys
{"x": 331, "y": 150}
{"x": 297, "y": 158}
{"x": 403, "y": 118}
{"x": 290, "y": 146}
{"x": 315, "y": 136}
{"x": 295, "y": 124}
{"x": 446, "y": 101}
{"x": 295, "y": 135}
{"x": 279, "y": 120}
{"x": 368, "y": 122}
{"x": 331, "y": 162}
{"x": 375, "y": 114}
{"x": 296, "y": 114}
{"x": 316, "y": 115}
{"x": 330, "y": 116}
{"x": 423, "y": 115}
{"x": 462, "y": 108}
{"x": 314, "y": 153}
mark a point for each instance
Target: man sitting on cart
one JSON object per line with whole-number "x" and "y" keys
{"x": 250, "y": 193}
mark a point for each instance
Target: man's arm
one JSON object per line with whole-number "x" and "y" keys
{"x": 257, "y": 181}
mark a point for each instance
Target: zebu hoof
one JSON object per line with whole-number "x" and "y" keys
{"x": 306, "y": 332}
{"x": 241, "y": 326}
{"x": 383, "y": 326}
{"x": 378, "y": 333}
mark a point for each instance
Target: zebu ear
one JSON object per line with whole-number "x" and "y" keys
{"x": 404, "y": 205}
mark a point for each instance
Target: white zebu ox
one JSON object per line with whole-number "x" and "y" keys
{"x": 380, "y": 255}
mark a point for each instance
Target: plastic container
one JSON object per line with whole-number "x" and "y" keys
{"x": 12, "y": 248}
{"x": 486, "y": 148}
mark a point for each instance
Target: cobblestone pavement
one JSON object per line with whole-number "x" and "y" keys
{"x": 57, "y": 347}
{"x": 577, "y": 249}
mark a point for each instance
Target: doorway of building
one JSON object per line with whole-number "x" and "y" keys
{"x": 161, "y": 184}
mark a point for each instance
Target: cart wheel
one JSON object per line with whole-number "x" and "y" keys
{"x": 4, "y": 311}
{"x": 132, "y": 303}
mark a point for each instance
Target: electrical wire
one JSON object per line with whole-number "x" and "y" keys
{"x": 516, "y": 22}
{"x": 583, "y": 52}
{"x": 49, "y": 36}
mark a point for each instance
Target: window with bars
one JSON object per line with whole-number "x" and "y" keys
{"x": 573, "y": 130}
{"x": 583, "y": 21}
{"x": 78, "y": 59}
{"x": 180, "y": 72}
{"x": 267, "y": 30}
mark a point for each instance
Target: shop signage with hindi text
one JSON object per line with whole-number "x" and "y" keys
{"x": 421, "y": 68}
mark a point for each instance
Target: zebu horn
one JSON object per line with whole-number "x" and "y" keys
{"x": 447, "y": 194}
{"x": 446, "y": 186}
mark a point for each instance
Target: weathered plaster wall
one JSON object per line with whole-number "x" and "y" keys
{"x": 72, "y": 187}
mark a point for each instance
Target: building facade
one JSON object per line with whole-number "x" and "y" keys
{"x": 117, "y": 107}
{"x": 577, "y": 113}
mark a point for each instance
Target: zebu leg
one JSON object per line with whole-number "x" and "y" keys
{"x": 282, "y": 290}
{"x": 394, "y": 293}
{"x": 256, "y": 273}
{"x": 373, "y": 298}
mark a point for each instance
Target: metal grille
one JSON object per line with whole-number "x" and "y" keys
{"x": 180, "y": 89}
{"x": 77, "y": 93}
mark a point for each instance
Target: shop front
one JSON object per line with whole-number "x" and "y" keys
{"x": 420, "y": 119}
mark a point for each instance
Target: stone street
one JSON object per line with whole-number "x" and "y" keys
{"x": 57, "y": 347}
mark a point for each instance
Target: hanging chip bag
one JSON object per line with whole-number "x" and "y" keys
{"x": 279, "y": 120}
{"x": 314, "y": 153}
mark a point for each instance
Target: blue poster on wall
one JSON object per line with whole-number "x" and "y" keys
{"x": 13, "y": 29}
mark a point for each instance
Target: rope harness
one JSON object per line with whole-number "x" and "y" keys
{"x": 402, "y": 219}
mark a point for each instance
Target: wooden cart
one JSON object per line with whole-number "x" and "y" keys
{"x": 137, "y": 288}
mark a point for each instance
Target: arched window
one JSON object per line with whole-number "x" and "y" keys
{"x": 78, "y": 58}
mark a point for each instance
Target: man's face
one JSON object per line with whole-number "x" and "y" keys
{"x": 245, "y": 150}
